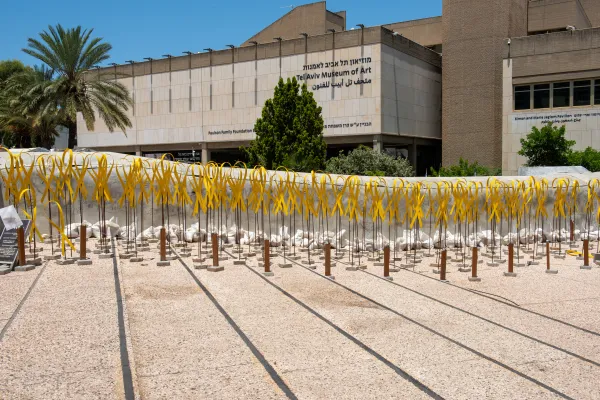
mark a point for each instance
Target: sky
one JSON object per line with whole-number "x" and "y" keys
{"x": 151, "y": 28}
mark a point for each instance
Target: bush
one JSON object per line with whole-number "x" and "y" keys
{"x": 589, "y": 159}
{"x": 547, "y": 147}
{"x": 465, "y": 169}
{"x": 290, "y": 130}
{"x": 366, "y": 161}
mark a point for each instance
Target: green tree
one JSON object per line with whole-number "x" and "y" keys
{"x": 70, "y": 53}
{"x": 465, "y": 169}
{"x": 289, "y": 131}
{"x": 589, "y": 159}
{"x": 8, "y": 68}
{"x": 366, "y": 161}
{"x": 546, "y": 147}
{"x": 23, "y": 126}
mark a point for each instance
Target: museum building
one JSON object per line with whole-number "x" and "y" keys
{"x": 506, "y": 66}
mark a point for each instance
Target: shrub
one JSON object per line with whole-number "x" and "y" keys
{"x": 547, "y": 147}
{"x": 465, "y": 169}
{"x": 290, "y": 130}
{"x": 589, "y": 159}
{"x": 366, "y": 161}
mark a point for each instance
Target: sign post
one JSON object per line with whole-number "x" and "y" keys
{"x": 12, "y": 247}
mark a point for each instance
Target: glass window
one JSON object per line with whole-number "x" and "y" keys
{"x": 561, "y": 94}
{"x": 522, "y": 97}
{"x": 582, "y": 93}
{"x": 597, "y": 92}
{"x": 541, "y": 96}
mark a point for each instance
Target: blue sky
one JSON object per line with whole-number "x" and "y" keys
{"x": 151, "y": 28}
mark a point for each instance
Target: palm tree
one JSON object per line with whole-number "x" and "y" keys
{"x": 23, "y": 123}
{"x": 70, "y": 53}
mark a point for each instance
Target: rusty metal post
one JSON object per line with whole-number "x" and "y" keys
{"x": 443, "y": 265}
{"x": 586, "y": 255}
{"x": 267, "y": 256}
{"x": 511, "y": 253}
{"x": 82, "y": 242}
{"x": 327, "y": 251}
{"x": 386, "y": 262}
{"x": 21, "y": 245}
{"x": 548, "y": 270}
{"x": 163, "y": 244}
{"x": 215, "y": 249}
{"x": 474, "y": 261}
{"x": 572, "y": 235}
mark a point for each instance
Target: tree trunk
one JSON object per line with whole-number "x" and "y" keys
{"x": 72, "y": 126}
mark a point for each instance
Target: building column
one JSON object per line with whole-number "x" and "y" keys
{"x": 378, "y": 143}
{"x": 138, "y": 151}
{"x": 412, "y": 154}
{"x": 205, "y": 154}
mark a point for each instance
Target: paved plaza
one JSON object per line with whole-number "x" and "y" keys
{"x": 122, "y": 330}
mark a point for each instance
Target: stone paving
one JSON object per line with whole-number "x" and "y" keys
{"x": 123, "y": 330}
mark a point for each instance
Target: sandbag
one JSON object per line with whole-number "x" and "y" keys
{"x": 72, "y": 231}
{"x": 510, "y": 238}
{"x": 275, "y": 241}
{"x": 284, "y": 233}
{"x": 487, "y": 237}
{"x": 191, "y": 235}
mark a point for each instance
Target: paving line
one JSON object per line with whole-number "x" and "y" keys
{"x": 597, "y": 364}
{"x": 14, "y": 314}
{"x": 508, "y": 304}
{"x": 486, "y": 320}
{"x": 418, "y": 384}
{"x": 478, "y": 353}
{"x": 259, "y": 356}
{"x": 125, "y": 365}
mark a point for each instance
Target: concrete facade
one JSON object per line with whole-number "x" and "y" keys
{"x": 426, "y": 31}
{"x": 562, "y": 57}
{"x": 386, "y": 90}
{"x": 549, "y": 15}
{"x": 209, "y": 101}
{"x": 312, "y": 19}
{"x": 472, "y": 76}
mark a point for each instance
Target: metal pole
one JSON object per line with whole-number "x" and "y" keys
{"x": 443, "y": 265}
{"x": 327, "y": 250}
{"x": 267, "y": 256}
{"x": 21, "y": 245}
{"x": 511, "y": 252}
{"x": 215, "y": 249}
{"x": 82, "y": 242}
{"x": 386, "y": 262}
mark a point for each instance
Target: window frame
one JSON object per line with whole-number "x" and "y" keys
{"x": 570, "y": 96}
{"x": 530, "y": 91}
{"x": 533, "y": 90}
{"x": 591, "y": 87}
{"x": 594, "y": 88}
